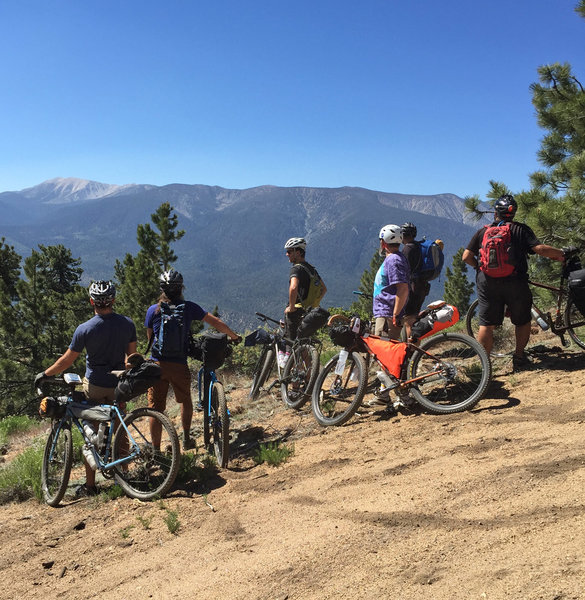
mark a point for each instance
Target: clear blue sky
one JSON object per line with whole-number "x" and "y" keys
{"x": 410, "y": 96}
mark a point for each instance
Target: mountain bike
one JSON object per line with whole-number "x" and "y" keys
{"x": 297, "y": 376}
{"x": 120, "y": 448}
{"x": 212, "y": 349}
{"x": 565, "y": 317}
{"x": 445, "y": 373}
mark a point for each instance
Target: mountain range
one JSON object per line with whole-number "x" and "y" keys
{"x": 232, "y": 253}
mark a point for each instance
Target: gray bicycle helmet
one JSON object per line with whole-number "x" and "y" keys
{"x": 409, "y": 229}
{"x": 505, "y": 207}
{"x": 102, "y": 293}
{"x": 391, "y": 234}
{"x": 296, "y": 242}
{"x": 171, "y": 283}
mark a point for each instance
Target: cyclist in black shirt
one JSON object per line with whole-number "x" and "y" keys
{"x": 513, "y": 291}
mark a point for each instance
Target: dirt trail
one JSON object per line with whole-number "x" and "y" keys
{"x": 485, "y": 504}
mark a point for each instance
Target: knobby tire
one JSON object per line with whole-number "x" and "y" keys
{"x": 220, "y": 425}
{"x": 262, "y": 372}
{"x": 464, "y": 373}
{"x": 336, "y": 398}
{"x": 152, "y": 472}
{"x": 56, "y": 467}
{"x": 575, "y": 323}
{"x": 299, "y": 375}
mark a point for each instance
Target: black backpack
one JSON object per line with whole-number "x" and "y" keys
{"x": 172, "y": 336}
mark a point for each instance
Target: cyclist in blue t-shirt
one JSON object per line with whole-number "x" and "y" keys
{"x": 108, "y": 339}
{"x": 174, "y": 370}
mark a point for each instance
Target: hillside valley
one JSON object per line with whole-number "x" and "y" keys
{"x": 232, "y": 252}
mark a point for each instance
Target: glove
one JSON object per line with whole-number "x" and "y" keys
{"x": 40, "y": 378}
{"x": 569, "y": 250}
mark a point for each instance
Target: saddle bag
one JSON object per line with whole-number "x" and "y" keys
{"x": 577, "y": 289}
{"x": 312, "y": 322}
{"x": 137, "y": 380}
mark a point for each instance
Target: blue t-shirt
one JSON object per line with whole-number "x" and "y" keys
{"x": 192, "y": 312}
{"x": 393, "y": 270}
{"x": 106, "y": 339}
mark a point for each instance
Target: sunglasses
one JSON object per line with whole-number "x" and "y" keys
{"x": 290, "y": 250}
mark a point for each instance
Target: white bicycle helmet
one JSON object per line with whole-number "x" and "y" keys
{"x": 296, "y": 242}
{"x": 102, "y": 292}
{"x": 391, "y": 234}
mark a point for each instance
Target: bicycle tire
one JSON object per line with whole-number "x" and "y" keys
{"x": 300, "y": 373}
{"x": 471, "y": 321}
{"x": 575, "y": 323}
{"x": 56, "y": 467}
{"x": 465, "y": 373}
{"x": 220, "y": 425}
{"x": 152, "y": 472}
{"x": 262, "y": 372}
{"x": 336, "y": 398}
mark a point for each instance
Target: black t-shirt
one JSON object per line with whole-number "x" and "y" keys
{"x": 523, "y": 240}
{"x": 413, "y": 255}
{"x": 303, "y": 277}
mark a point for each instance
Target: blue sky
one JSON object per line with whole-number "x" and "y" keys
{"x": 409, "y": 96}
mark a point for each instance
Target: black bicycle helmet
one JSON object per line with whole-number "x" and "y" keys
{"x": 171, "y": 283}
{"x": 102, "y": 293}
{"x": 505, "y": 207}
{"x": 409, "y": 230}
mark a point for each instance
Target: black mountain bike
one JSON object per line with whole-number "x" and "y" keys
{"x": 565, "y": 317}
{"x": 297, "y": 377}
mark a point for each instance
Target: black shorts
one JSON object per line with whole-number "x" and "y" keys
{"x": 494, "y": 294}
{"x": 418, "y": 291}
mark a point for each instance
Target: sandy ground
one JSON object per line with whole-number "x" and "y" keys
{"x": 485, "y": 504}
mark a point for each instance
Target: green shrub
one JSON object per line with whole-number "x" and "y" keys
{"x": 21, "y": 478}
{"x": 171, "y": 520}
{"x": 15, "y": 424}
{"x": 272, "y": 453}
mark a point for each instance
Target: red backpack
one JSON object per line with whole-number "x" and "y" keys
{"x": 495, "y": 254}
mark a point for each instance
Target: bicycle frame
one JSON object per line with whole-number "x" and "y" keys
{"x": 206, "y": 379}
{"x": 556, "y": 324}
{"x": 103, "y": 465}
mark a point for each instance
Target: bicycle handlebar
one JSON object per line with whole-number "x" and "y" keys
{"x": 266, "y": 318}
{"x": 368, "y": 296}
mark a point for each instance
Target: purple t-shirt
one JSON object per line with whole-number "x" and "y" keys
{"x": 393, "y": 270}
{"x": 192, "y": 312}
{"x": 105, "y": 338}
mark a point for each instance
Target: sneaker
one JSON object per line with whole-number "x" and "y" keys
{"x": 85, "y": 491}
{"x": 378, "y": 400}
{"x": 521, "y": 363}
{"x": 189, "y": 444}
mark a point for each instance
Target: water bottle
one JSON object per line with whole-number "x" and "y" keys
{"x": 339, "y": 368}
{"x": 90, "y": 432}
{"x": 537, "y": 316}
{"x": 384, "y": 379}
{"x": 100, "y": 436}
{"x": 88, "y": 455}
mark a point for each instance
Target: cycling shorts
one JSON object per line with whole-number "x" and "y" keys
{"x": 497, "y": 293}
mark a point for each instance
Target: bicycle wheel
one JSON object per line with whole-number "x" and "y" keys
{"x": 454, "y": 375}
{"x": 299, "y": 375}
{"x": 262, "y": 371}
{"x": 504, "y": 335}
{"x": 220, "y": 425}
{"x": 337, "y": 397}
{"x": 57, "y": 461}
{"x": 152, "y": 471}
{"x": 575, "y": 322}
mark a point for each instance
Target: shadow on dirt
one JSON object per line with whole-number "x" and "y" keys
{"x": 496, "y": 391}
{"x": 556, "y": 359}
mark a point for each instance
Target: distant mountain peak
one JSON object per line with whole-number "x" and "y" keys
{"x": 64, "y": 190}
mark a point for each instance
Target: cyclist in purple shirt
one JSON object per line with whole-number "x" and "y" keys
{"x": 391, "y": 284}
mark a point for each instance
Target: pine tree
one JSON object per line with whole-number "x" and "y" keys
{"x": 138, "y": 276}
{"x": 37, "y": 327}
{"x": 458, "y": 288}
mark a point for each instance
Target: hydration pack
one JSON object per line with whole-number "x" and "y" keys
{"x": 495, "y": 254}
{"x": 315, "y": 288}
{"x": 431, "y": 260}
{"x": 172, "y": 336}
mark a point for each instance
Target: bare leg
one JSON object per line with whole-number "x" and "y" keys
{"x": 522, "y": 337}
{"x": 186, "y": 418}
{"x": 408, "y": 321}
{"x": 486, "y": 337}
{"x": 155, "y": 432}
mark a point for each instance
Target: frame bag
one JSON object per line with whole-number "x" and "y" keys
{"x": 577, "y": 289}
